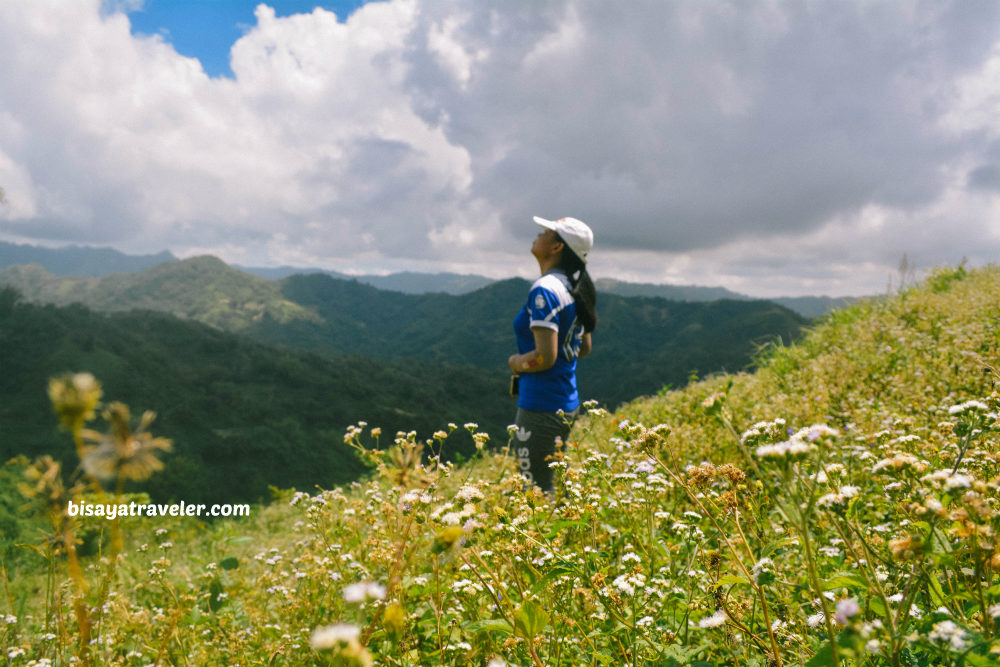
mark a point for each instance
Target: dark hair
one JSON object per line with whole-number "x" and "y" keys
{"x": 583, "y": 291}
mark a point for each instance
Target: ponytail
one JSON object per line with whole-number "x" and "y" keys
{"x": 583, "y": 291}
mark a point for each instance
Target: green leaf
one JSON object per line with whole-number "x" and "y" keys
{"x": 974, "y": 660}
{"x": 845, "y": 580}
{"x": 823, "y": 657}
{"x": 230, "y": 563}
{"x": 489, "y": 625}
{"x": 215, "y": 599}
{"x": 937, "y": 593}
{"x": 878, "y": 606}
{"x": 530, "y": 619}
{"x": 732, "y": 579}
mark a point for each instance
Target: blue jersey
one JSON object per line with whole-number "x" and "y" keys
{"x": 550, "y": 305}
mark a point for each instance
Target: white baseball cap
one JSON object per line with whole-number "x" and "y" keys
{"x": 575, "y": 233}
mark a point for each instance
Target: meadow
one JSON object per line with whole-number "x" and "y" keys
{"x": 836, "y": 506}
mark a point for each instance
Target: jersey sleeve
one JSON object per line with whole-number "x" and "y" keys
{"x": 543, "y": 306}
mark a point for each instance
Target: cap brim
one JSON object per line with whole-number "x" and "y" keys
{"x": 547, "y": 224}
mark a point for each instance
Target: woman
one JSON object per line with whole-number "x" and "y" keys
{"x": 553, "y": 332}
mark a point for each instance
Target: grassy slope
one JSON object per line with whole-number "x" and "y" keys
{"x": 644, "y": 559}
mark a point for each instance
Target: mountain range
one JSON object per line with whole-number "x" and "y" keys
{"x": 96, "y": 262}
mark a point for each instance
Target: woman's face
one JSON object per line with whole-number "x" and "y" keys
{"x": 545, "y": 244}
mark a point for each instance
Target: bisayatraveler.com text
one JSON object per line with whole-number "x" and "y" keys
{"x": 113, "y": 510}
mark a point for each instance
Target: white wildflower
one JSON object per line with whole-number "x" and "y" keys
{"x": 968, "y": 405}
{"x": 846, "y": 610}
{"x": 332, "y": 636}
{"x": 713, "y": 621}
{"x": 364, "y": 590}
{"x": 947, "y": 632}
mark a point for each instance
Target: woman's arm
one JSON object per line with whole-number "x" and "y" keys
{"x": 542, "y": 358}
{"x": 585, "y": 347}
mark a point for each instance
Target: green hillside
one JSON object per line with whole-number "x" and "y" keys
{"x": 243, "y": 415}
{"x": 205, "y": 289}
{"x": 836, "y": 507}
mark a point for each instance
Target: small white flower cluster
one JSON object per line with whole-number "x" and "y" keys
{"x": 469, "y": 492}
{"x": 713, "y": 621}
{"x": 772, "y": 429}
{"x": 968, "y": 405}
{"x": 763, "y": 571}
{"x": 947, "y": 632}
{"x": 332, "y": 636}
{"x": 364, "y": 590}
{"x": 899, "y": 461}
{"x": 847, "y": 609}
{"x": 840, "y": 498}
{"x": 799, "y": 445}
{"x": 945, "y": 479}
{"x": 467, "y": 586}
{"x": 627, "y": 583}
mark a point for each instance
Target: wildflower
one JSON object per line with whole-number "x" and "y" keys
{"x": 123, "y": 453}
{"x": 762, "y": 572}
{"x": 900, "y": 461}
{"x": 830, "y": 500}
{"x": 448, "y": 538}
{"x": 644, "y": 622}
{"x": 772, "y": 429}
{"x": 74, "y": 398}
{"x": 713, "y": 621}
{"x": 958, "y": 481}
{"x": 330, "y": 636}
{"x": 469, "y": 492}
{"x": 906, "y": 547}
{"x": 873, "y": 646}
{"x": 646, "y": 466}
{"x": 364, "y": 590}
{"x": 846, "y": 610}
{"x": 343, "y": 640}
{"x": 967, "y": 406}
{"x": 947, "y": 632}
{"x": 814, "y": 620}
{"x": 713, "y": 401}
{"x": 622, "y": 584}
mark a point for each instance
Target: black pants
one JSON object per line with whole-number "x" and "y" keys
{"x": 535, "y": 440}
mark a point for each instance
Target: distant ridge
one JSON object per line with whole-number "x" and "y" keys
{"x": 79, "y": 260}
{"x": 98, "y": 262}
{"x": 407, "y": 282}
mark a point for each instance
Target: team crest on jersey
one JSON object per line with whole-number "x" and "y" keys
{"x": 539, "y": 301}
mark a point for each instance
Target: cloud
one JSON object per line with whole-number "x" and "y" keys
{"x": 750, "y": 144}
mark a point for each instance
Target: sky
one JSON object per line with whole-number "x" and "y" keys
{"x": 773, "y": 147}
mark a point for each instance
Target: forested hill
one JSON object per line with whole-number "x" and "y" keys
{"x": 642, "y": 343}
{"x": 243, "y": 415}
